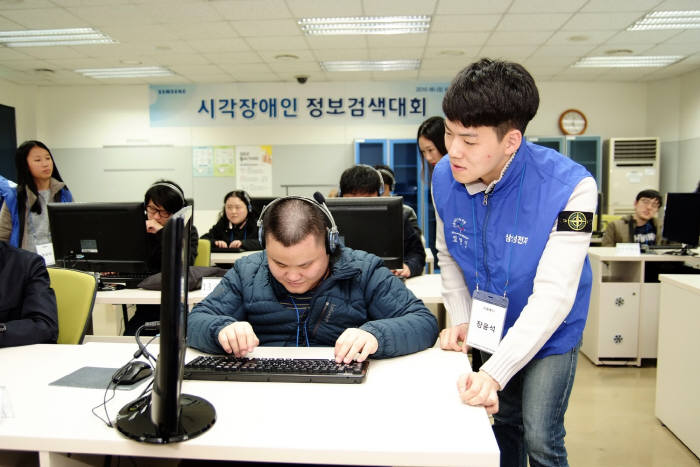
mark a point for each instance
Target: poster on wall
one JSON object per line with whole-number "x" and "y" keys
{"x": 254, "y": 172}
{"x": 202, "y": 161}
{"x": 224, "y": 161}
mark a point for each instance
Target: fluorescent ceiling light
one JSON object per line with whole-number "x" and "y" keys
{"x": 668, "y": 20}
{"x": 627, "y": 62}
{"x": 131, "y": 72}
{"x": 369, "y": 65}
{"x": 53, "y": 37}
{"x": 365, "y": 25}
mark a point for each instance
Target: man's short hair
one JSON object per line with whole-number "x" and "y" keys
{"x": 492, "y": 93}
{"x": 290, "y": 221}
{"x": 361, "y": 179}
{"x": 651, "y": 194}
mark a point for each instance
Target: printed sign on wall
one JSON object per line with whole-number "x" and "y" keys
{"x": 254, "y": 172}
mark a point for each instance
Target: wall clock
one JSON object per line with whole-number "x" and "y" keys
{"x": 572, "y": 122}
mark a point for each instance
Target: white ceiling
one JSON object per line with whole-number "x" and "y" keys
{"x": 211, "y": 41}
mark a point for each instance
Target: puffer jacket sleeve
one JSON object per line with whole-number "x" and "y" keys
{"x": 401, "y": 323}
{"x": 222, "y": 307}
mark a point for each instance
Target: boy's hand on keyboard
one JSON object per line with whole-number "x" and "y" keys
{"x": 355, "y": 344}
{"x": 238, "y": 338}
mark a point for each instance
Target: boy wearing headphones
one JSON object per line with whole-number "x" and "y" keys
{"x": 163, "y": 199}
{"x": 366, "y": 181}
{"x": 305, "y": 289}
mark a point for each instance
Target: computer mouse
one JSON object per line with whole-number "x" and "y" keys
{"x": 132, "y": 372}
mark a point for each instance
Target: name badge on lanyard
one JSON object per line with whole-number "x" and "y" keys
{"x": 45, "y": 250}
{"x": 486, "y": 320}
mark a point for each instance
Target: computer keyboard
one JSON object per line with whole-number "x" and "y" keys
{"x": 284, "y": 370}
{"x": 218, "y": 249}
{"x": 130, "y": 280}
{"x": 668, "y": 246}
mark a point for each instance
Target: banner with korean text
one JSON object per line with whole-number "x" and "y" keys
{"x": 273, "y": 103}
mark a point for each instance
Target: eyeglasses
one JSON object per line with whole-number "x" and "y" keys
{"x": 649, "y": 202}
{"x": 162, "y": 213}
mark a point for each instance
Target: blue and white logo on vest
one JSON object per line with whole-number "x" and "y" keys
{"x": 459, "y": 226}
{"x": 517, "y": 239}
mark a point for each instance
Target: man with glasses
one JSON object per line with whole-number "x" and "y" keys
{"x": 163, "y": 199}
{"x": 640, "y": 227}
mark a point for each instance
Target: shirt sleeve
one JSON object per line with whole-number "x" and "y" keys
{"x": 455, "y": 294}
{"x": 554, "y": 291}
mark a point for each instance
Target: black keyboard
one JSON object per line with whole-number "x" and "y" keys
{"x": 283, "y": 370}
{"x": 218, "y": 249}
{"x": 668, "y": 246}
{"x": 128, "y": 280}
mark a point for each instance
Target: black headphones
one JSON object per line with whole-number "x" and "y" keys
{"x": 386, "y": 174}
{"x": 319, "y": 202}
{"x": 173, "y": 187}
{"x": 380, "y": 187}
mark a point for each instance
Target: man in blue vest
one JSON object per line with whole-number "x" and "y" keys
{"x": 513, "y": 228}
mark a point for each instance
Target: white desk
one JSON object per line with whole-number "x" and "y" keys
{"x": 141, "y": 297}
{"x": 230, "y": 258}
{"x": 677, "y": 375}
{"x": 428, "y": 288}
{"x": 623, "y": 315}
{"x": 407, "y": 412}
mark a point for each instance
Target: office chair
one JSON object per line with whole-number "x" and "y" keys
{"x": 75, "y": 297}
{"x": 203, "y": 253}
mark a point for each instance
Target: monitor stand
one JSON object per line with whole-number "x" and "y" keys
{"x": 196, "y": 416}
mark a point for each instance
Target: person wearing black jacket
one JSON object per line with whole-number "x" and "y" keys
{"x": 366, "y": 181}
{"x": 236, "y": 227}
{"x": 28, "y": 313}
{"x": 163, "y": 199}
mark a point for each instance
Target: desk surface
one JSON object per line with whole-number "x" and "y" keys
{"x": 608, "y": 253}
{"x": 230, "y": 258}
{"x": 142, "y": 297}
{"x": 407, "y": 412}
{"x": 427, "y": 287}
{"x": 690, "y": 282}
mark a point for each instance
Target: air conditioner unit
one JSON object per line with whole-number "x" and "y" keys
{"x": 630, "y": 165}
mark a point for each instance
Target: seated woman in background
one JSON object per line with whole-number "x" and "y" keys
{"x": 24, "y": 220}
{"x": 237, "y": 224}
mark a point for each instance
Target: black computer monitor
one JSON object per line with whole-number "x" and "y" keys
{"x": 166, "y": 415}
{"x": 682, "y": 220}
{"x": 372, "y": 224}
{"x": 259, "y": 202}
{"x": 99, "y": 236}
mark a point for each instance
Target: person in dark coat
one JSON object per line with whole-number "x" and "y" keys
{"x": 28, "y": 313}
{"x": 305, "y": 289}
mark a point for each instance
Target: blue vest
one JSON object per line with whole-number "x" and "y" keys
{"x": 548, "y": 179}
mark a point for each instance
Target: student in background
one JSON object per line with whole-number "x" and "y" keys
{"x": 28, "y": 313}
{"x": 640, "y": 227}
{"x": 307, "y": 290}
{"x": 163, "y": 199}
{"x": 514, "y": 226}
{"x": 389, "y": 179}
{"x": 236, "y": 227}
{"x": 24, "y": 219}
{"x": 365, "y": 181}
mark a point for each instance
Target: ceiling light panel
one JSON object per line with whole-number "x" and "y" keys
{"x": 627, "y": 62}
{"x": 54, "y": 37}
{"x": 668, "y": 20}
{"x": 363, "y": 25}
{"x": 370, "y": 65}
{"x": 124, "y": 72}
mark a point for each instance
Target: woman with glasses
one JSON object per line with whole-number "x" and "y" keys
{"x": 237, "y": 226}
{"x": 24, "y": 219}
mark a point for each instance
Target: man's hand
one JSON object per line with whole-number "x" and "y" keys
{"x": 235, "y": 244}
{"x": 355, "y": 344}
{"x": 403, "y": 272}
{"x": 454, "y": 338}
{"x": 220, "y": 244}
{"x": 479, "y": 389}
{"x": 238, "y": 338}
{"x": 152, "y": 226}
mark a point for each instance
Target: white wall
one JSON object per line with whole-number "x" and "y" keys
{"x": 23, "y": 99}
{"x": 674, "y": 115}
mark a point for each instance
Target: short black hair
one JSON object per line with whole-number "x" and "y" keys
{"x": 492, "y": 93}
{"x": 167, "y": 194}
{"x": 291, "y": 220}
{"x": 649, "y": 193}
{"x": 434, "y": 130}
{"x": 361, "y": 179}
